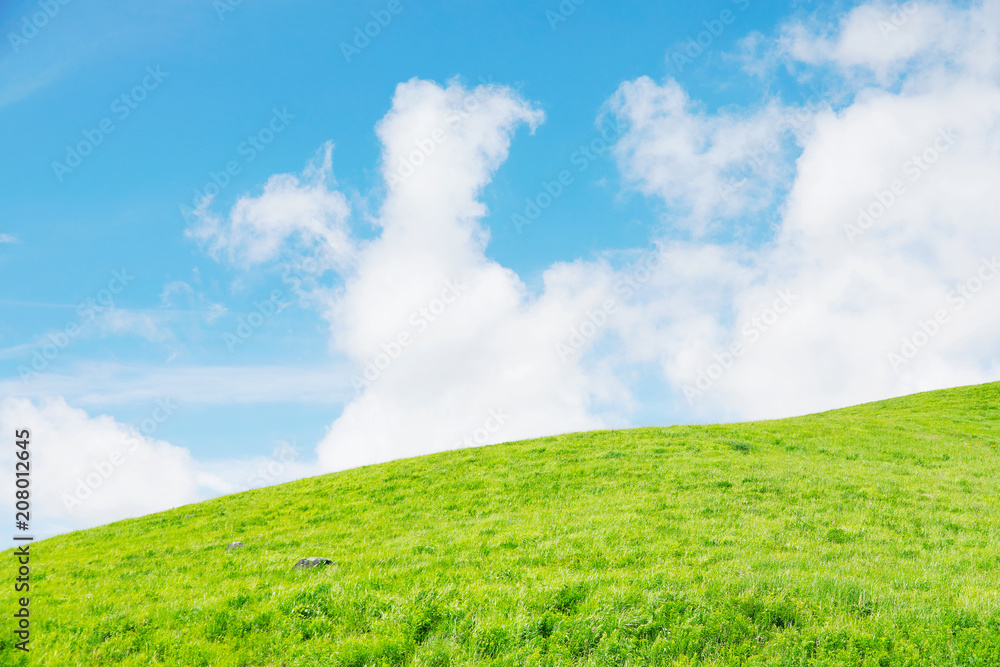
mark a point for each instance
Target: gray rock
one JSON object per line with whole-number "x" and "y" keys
{"x": 313, "y": 561}
{"x": 188, "y": 516}
{"x": 235, "y": 545}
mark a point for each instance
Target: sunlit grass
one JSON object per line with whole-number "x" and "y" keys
{"x": 865, "y": 536}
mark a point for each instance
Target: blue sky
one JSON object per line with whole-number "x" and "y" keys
{"x": 223, "y": 77}
{"x": 199, "y": 78}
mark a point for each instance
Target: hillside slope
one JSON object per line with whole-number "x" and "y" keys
{"x": 864, "y": 536}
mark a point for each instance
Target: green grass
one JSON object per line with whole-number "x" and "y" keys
{"x": 864, "y": 536}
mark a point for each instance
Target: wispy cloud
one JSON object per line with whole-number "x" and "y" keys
{"x": 104, "y": 384}
{"x": 8, "y": 238}
{"x": 177, "y": 294}
{"x": 18, "y": 85}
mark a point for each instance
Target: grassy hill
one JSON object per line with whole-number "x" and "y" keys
{"x": 864, "y": 536}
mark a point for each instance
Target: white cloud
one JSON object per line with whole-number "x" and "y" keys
{"x": 493, "y": 349}
{"x": 815, "y": 314}
{"x": 856, "y": 301}
{"x": 885, "y": 41}
{"x": 8, "y": 238}
{"x": 178, "y": 294}
{"x": 86, "y": 471}
{"x": 106, "y": 384}
{"x": 482, "y": 366}
{"x": 706, "y": 166}
{"x": 123, "y": 321}
{"x": 172, "y": 291}
{"x": 89, "y": 318}
{"x": 289, "y": 208}
{"x": 90, "y": 470}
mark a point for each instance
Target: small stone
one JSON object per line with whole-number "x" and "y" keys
{"x": 188, "y": 516}
{"x": 313, "y": 561}
{"x": 235, "y": 545}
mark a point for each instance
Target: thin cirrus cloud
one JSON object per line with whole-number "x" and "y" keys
{"x": 108, "y": 384}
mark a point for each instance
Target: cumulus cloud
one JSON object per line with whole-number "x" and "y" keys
{"x": 291, "y": 208}
{"x": 890, "y": 222}
{"x": 886, "y": 41}
{"x": 91, "y": 470}
{"x": 874, "y": 280}
{"x": 485, "y": 371}
{"x": 450, "y": 349}
{"x": 709, "y": 167}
